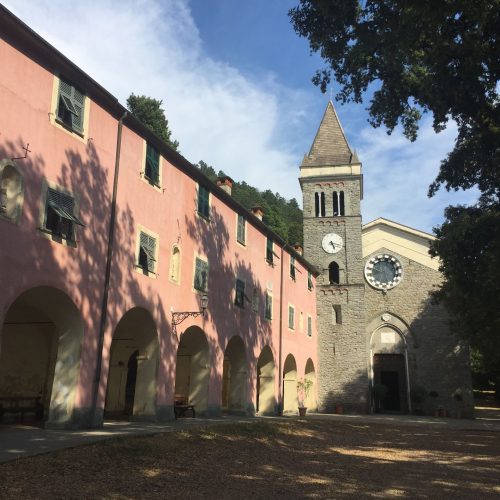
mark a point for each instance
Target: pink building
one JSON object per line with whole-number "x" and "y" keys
{"x": 106, "y": 237}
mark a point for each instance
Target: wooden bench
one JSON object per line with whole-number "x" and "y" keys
{"x": 20, "y": 405}
{"x": 182, "y": 406}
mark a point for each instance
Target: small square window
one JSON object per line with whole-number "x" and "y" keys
{"x": 201, "y": 275}
{"x": 292, "y": 267}
{"x": 152, "y": 166}
{"x": 60, "y": 219}
{"x": 203, "y": 204}
{"x": 268, "y": 313}
{"x": 239, "y": 298}
{"x": 70, "y": 106}
{"x": 240, "y": 236}
{"x": 291, "y": 317}
{"x": 147, "y": 250}
{"x": 269, "y": 250}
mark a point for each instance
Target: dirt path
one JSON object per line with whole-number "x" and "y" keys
{"x": 294, "y": 459}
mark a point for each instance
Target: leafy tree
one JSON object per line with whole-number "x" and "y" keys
{"x": 439, "y": 56}
{"x": 468, "y": 244}
{"x": 282, "y": 216}
{"x": 442, "y": 57}
{"x": 151, "y": 114}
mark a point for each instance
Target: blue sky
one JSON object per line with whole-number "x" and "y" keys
{"x": 236, "y": 84}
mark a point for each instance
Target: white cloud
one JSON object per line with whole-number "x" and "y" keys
{"x": 254, "y": 129}
{"x": 153, "y": 47}
{"x": 397, "y": 175}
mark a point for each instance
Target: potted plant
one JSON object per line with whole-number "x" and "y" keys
{"x": 303, "y": 388}
{"x": 379, "y": 394}
{"x": 418, "y": 396}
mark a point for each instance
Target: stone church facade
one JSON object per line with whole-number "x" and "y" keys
{"x": 377, "y": 325}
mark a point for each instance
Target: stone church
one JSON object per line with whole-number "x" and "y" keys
{"x": 377, "y": 324}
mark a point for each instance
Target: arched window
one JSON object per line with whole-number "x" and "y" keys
{"x": 335, "y": 203}
{"x": 333, "y": 273}
{"x": 342, "y": 205}
{"x": 319, "y": 204}
{"x": 11, "y": 191}
{"x": 175, "y": 264}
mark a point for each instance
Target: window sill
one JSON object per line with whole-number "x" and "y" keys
{"x": 203, "y": 216}
{"x": 65, "y": 126}
{"x": 241, "y": 243}
{"x": 145, "y": 272}
{"x": 270, "y": 262}
{"x": 150, "y": 183}
{"x": 57, "y": 238}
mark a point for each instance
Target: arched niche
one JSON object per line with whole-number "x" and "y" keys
{"x": 266, "y": 401}
{"x": 175, "y": 264}
{"x": 131, "y": 389}
{"x": 11, "y": 191}
{"x": 234, "y": 377}
{"x": 290, "y": 401}
{"x": 192, "y": 373}
{"x": 40, "y": 351}
{"x": 310, "y": 374}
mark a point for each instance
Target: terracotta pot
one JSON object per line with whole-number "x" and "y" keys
{"x": 339, "y": 409}
{"x": 302, "y": 411}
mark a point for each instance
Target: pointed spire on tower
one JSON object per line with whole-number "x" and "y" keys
{"x": 330, "y": 146}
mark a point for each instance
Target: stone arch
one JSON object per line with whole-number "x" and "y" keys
{"x": 192, "y": 372}
{"x": 11, "y": 191}
{"x": 266, "y": 401}
{"x": 133, "y": 365}
{"x": 390, "y": 341}
{"x": 234, "y": 377}
{"x": 290, "y": 401}
{"x": 310, "y": 374}
{"x": 40, "y": 351}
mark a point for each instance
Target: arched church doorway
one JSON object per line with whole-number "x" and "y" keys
{"x": 265, "y": 383}
{"x": 40, "y": 355}
{"x": 389, "y": 371}
{"x": 131, "y": 390}
{"x": 310, "y": 374}
{"x": 192, "y": 373}
{"x": 290, "y": 400}
{"x": 234, "y": 377}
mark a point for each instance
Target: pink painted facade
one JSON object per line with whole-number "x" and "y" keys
{"x": 73, "y": 287}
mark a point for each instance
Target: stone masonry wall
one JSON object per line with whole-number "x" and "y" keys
{"x": 343, "y": 358}
{"x": 437, "y": 360}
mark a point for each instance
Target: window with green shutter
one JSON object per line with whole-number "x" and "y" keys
{"x": 203, "y": 205}
{"x": 269, "y": 250}
{"x": 291, "y": 317}
{"x": 239, "y": 298}
{"x": 292, "y": 267}
{"x": 147, "y": 250}
{"x": 60, "y": 219}
{"x": 309, "y": 281}
{"x": 201, "y": 275}
{"x": 268, "y": 312}
{"x": 152, "y": 167}
{"x": 240, "y": 236}
{"x": 70, "y": 106}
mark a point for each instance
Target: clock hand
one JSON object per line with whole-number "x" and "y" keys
{"x": 333, "y": 244}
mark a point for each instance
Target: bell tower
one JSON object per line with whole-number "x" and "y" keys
{"x": 332, "y": 189}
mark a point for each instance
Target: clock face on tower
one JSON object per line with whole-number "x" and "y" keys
{"x": 332, "y": 243}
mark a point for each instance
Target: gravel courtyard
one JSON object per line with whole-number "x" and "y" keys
{"x": 299, "y": 458}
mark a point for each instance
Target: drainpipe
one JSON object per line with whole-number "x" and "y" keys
{"x": 280, "y": 348}
{"x": 104, "y": 309}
